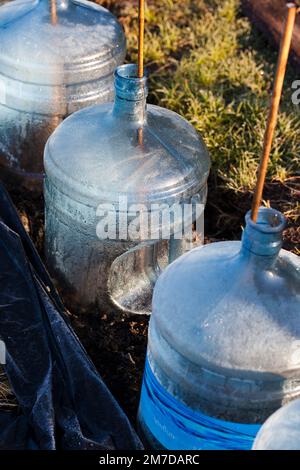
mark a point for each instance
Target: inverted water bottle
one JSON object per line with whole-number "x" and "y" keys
{"x": 122, "y": 180}
{"x": 224, "y": 341}
{"x": 56, "y": 56}
{"x": 282, "y": 430}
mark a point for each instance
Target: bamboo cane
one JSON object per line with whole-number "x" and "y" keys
{"x": 53, "y": 12}
{"x": 141, "y": 53}
{"x": 285, "y": 45}
{"x": 141, "y": 38}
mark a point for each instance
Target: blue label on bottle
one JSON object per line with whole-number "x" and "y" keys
{"x": 177, "y": 427}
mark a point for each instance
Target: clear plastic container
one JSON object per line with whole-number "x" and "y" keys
{"x": 281, "y": 431}
{"x": 146, "y": 155}
{"x": 55, "y": 57}
{"x": 224, "y": 350}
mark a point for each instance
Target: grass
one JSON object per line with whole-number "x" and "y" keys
{"x": 7, "y": 400}
{"x": 208, "y": 64}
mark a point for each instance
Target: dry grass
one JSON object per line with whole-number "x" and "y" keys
{"x": 7, "y": 399}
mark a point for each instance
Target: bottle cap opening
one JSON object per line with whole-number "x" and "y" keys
{"x": 128, "y": 85}
{"x": 264, "y": 237}
{"x": 268, "y": 220}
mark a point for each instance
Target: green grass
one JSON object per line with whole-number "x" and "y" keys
{"x": 209, "y": 65}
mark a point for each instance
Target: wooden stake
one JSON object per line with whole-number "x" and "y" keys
{"x": 141, "y": 54}
{"x": 140, "y": 136}
{"x": 141, "y": 38}
{"x": 273, "y": 113}
{"x": 55, "y": 120}
{"x": 53, "y": 12}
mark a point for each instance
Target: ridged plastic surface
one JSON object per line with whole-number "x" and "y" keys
{"x": 52, "y": 63}
{"x": 123, "y": 149}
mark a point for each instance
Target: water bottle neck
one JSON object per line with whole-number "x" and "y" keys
{"x": 130, "y": 94}
{"x": 263, "y": 238}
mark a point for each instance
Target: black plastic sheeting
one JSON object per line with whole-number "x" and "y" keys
{"x": 63, "y": 403}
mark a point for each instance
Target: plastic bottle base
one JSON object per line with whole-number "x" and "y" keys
{"x": 147, "y": 437}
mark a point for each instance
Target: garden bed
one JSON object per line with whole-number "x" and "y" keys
{"x": 207, "y": 63}
{"x": 117, "y": 345}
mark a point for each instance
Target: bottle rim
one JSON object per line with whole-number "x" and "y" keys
{"x": 128, "y": 86}
{"x": 269, "y": 220}
{"x": 130, "y": 72}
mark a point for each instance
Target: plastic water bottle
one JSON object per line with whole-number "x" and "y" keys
{"x": 56, "y": 56}
{"x": 282, "y": 430}
{"x": 224, "y": 341}
{"x": 118, "y": 162}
